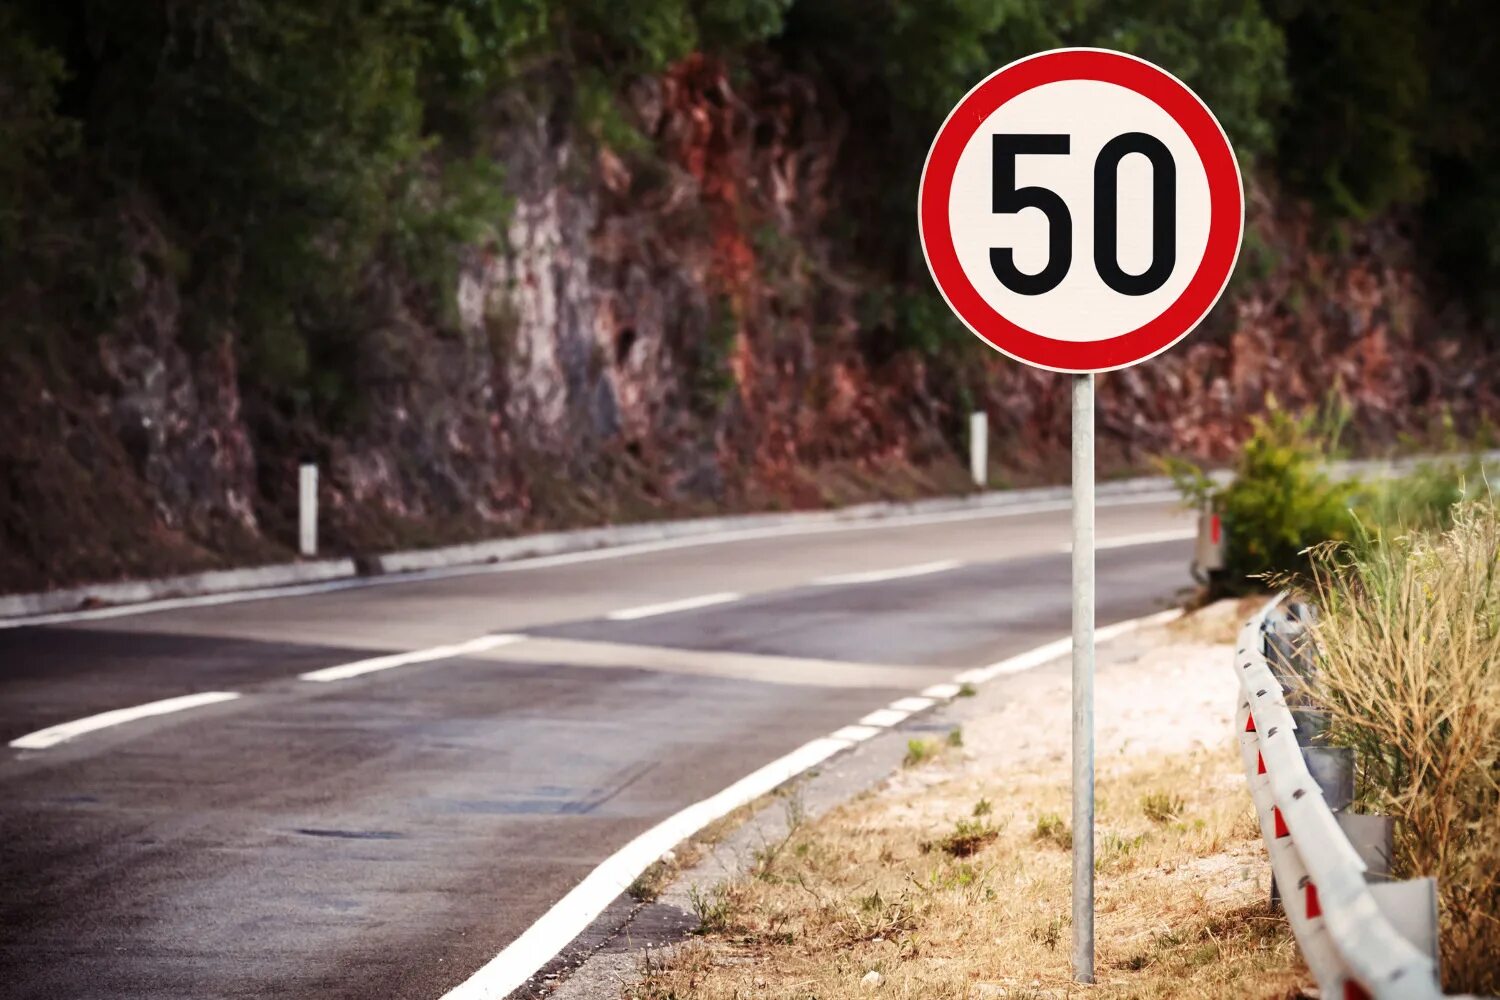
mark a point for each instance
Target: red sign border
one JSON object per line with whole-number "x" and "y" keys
{"x": 1226, "y": 199}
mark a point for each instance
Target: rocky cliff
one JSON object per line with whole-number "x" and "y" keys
{"x": 669, "y": 326}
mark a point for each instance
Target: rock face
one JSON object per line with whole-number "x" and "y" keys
{"x": 667, "y": 332}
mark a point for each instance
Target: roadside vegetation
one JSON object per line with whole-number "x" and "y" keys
{"x": 1408, "y": 635}
{"x": 959, "y": 890}
{"x": 1405, "y": 576}
{"x": 1283, "y": 498}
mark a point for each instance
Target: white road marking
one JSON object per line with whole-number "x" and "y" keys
{"x": 667, "y": 607}
{"x": 884, "y": 717}
{"x": 942, "y": 692}
{"x": 572, "y": 914}
{"x": 1141, "y": 538}
{"x": 344, "y": 671}
{"x": 53, "y": 735}
{"x": 880, "y": 575}
{"x": 1058, "y": 647}
{"x": 855, "y": 734}
{"x": 570, "y": 558}
{"x": 521, "y": 958}
{"x": 913, "y": 704}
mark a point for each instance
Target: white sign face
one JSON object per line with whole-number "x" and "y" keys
{"x": 1081, "y": 210}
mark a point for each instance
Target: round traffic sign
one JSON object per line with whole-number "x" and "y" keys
{"x": 1081, "y": 210}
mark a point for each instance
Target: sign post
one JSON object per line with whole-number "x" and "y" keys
{"x": 1081, "y": 211}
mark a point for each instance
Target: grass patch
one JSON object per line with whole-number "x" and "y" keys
{"x": 1161, "y": 807}
{"x": 949, "y": 909}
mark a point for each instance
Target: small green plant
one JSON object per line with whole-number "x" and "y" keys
{"x": 1162, "y": 807}
{"x": 712, "y": 908}
{"x": 1048, "y": 934}
{"x": 955, "y": 737}
{"x": 1053, "y": 829}
{"x": 919, "y": 751}
{"x": 969, "y": 837}
{"x": 983, "y": 808}
{"x": 967, "y": 690}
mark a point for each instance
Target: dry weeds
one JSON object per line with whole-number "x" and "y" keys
{"x": 947, "y": 891}
{"x": 1410, "y": 670}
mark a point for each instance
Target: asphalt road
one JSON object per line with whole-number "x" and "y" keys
{"x": 387, "y": 834}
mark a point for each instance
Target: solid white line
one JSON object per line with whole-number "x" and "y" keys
{"x": 942, "y": 692}
{"x": 884, "y": 717}
{"x": 855, "y": 734}
{"x": 344, "y": 671}
{"x": 572, "y": 914}
{"x": 521, "y": 958}
{"x": 1141, "y": 538}
{"x": 913, "y": 704}
{"x": 1047, "y": 652}
{"x": 53, "y": 735}
{"x": 570, "y": 558}
{"x": 667, "y": 607}
{"x": 880, "y": 575}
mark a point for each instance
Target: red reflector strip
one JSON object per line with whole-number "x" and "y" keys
{"x": 1249, "y": 722}
{"x": 1213, "y": 528}
{"x": 1280, "y": 823}
{"x": 1260, "y": 763}
{"x": 1354, "y": 991}
{"x": 1313, "y": 909}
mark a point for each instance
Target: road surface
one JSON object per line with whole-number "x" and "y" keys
{"x": 387, "y": 830}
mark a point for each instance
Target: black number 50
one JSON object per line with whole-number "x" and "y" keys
{"x": 1009, "y": 199}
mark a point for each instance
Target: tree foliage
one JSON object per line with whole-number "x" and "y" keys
{"x": 290, "y": 146}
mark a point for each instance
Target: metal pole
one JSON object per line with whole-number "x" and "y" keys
{"x": 979, "y": 448}
{"x": 1083, "y": 678}
{"x": 307, "y": 509}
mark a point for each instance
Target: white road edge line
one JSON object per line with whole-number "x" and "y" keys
{"x": 344, "y": 671}
{"x": 1142, "y": 538}
{"x": 881, "y": 575}
{"x": 943, "y": 692}
{"x": 570, "y": 916}
{"x": 884, "y": 718}
{"x": 570, "y": 558}
{"x": 913, "y": 704}
{"x": 61, "y": 733}
{"x": 667, "y": 607}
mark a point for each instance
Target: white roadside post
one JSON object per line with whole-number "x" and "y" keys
{"x": 979, "y": 448}
{"x": 1107, "y": 154}
{"x": 307, "y": 509}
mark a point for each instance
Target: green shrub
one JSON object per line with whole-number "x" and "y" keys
{"x": 1281, "y": 500}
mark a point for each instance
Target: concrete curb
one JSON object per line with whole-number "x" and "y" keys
{"x": 527, "y": 546}
{"x": 190, "y": 585}
{"x": 553, "y": 543}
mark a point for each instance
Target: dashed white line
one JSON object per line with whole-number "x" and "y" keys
{"x": 881, "y": 575}
{"x": 344, "y": 671}
{"x": 53, "y": 735}
{"x": 667, "y": 607}
{"x": 913, "y": 704}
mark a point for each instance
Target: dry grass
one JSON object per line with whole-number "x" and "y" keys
{"x": 947, "y": 891}
{"x": 1410, "y": 670}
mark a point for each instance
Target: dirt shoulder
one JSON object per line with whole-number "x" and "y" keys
{"x": 952, "y": 879}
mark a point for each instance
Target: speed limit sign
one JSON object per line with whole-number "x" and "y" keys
{"x": 1081, "y": 210}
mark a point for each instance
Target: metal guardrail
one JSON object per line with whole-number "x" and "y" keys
{"x": 1350, "y": 946}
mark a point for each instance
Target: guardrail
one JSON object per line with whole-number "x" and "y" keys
{"x": 1349, "y": 941}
